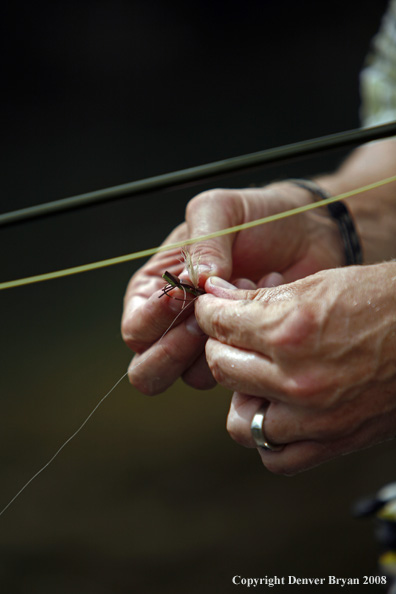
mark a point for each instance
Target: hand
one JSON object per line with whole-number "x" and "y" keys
{"x": 162, "y": 329}
{"x": 295, "y": 247}
{"x": 320, "y": 352}
{"x": 291, "y": 248}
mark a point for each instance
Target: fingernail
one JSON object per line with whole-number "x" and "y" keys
{"x": 216, "y": 281}
{"x": 245, "y": 283}
{"x": 192, "y": 326}
{"x": 202, "y": 270}
{"x": 273, "y": 279}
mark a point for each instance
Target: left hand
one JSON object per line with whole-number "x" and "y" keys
{"x": 320, "y": 352}
{"x": 167, "y": 340}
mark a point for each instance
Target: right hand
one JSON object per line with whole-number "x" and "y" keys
{"x": 271, "y": 254}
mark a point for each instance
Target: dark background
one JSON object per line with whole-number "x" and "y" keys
{"x": 154, "y": 496}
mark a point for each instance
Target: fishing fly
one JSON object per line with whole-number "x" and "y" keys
{"x": 175, "y": 283}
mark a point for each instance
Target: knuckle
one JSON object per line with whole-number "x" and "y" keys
{"x": 128, "y": 335}
{"x": 307, "y": 390}
{"x": 173, "y": 354}
{"x": 214, "y": 361}
{"x": 301, "y": 388}
{"x": 203, "y": 199}
{"x": 217, "y": 323}
{"x": 298, "y": 329}
{"x": 236, "y": 430}
{"x": 216, "y": 371}
{"x": 317, "y": 388}
{"x": 147, "y": 385}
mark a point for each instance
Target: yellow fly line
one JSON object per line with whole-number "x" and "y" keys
{"x": 163, "y": 248}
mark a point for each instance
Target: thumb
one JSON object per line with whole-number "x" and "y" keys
{"x": 225, "y": 290}
{"x": 207, "y": 213}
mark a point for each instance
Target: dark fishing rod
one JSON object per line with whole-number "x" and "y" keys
{"x": 202, "y": 172}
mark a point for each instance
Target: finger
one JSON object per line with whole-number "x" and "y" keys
{"x": 157, "y": 368}
{"x": 273, "y": 279}
{"x": 293, "y": 458}
{"x": 244, "y": 371}
{"x": 337, "y": 423}
{"x": 244, "y": 283}
{"x": 296, "y": 457}
{"x": 207, "y": 213}
{"x": 304, "y": 455}
{"x": 198, "y": 375}
{"x": 315, "y": 446}
{"x": 285, "y": 424}
{"x": 240, "y": 416}
{"x": 146, "y": 324}
{"x": 221, "y": 319}
{"x": 272, "y": 282}
{"x": 243, "y": 323}
{"x": 259, "y": 320}
{"x": 253, "y": 373}
{"x": 143, "y": 284}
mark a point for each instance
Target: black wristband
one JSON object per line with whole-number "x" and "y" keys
{"x": 340, "y": 213}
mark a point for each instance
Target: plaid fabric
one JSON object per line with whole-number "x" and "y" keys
{"x": 378, "y": 77}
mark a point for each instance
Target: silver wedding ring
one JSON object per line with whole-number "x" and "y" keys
{"x": 257, "y": 431}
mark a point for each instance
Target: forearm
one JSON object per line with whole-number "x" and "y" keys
{"x": 374, "y": 212}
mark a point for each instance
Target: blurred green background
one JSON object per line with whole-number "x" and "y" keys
{"x": 153, "y": 496}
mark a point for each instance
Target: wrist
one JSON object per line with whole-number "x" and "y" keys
{"x": 374, "y": 211}
{"x": 340, "y": 213}
{"x": 319, "y": 240}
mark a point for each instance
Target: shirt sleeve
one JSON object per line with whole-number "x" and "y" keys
{"x": 378, "y": 76}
